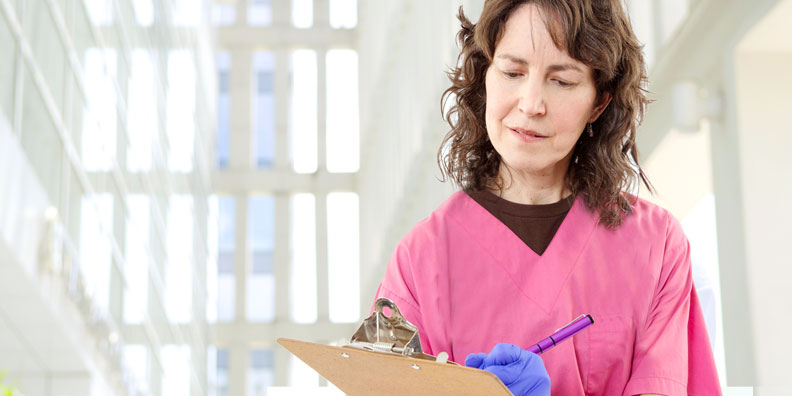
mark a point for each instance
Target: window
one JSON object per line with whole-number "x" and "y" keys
{"x": 144, "y": 12}
{"x": 260, "y": 302}
{"x": 223, "y": 14}
{"x": 178, "y": 271}
{"x": 100, "y": 12}
{"x": 181, "y": 110}
{"x": 225, "y": 258}
{"x": 302, "y": 288}
{"x": 186, "y": 13}
{"x": 260, "y": 13}
{"x": 264, "y": 109}
{"x": 137, "y": 259}
{"x": 99, "y": 120}
{"x": 175, "y": 370}
{"x": 261, "y": 373}
{"x": 142, "y": 122}
{"x": 217, "y": 360}
{"x": 302, "y": 13}
{"x": 343, "y": 253}
{"x": 223, "y": 149}
{"x": 343, "y": 14}
{"x": 302, "y": 112}
{"x": 96, "y": 226}
{"x": 135, "y": 360}
{"x": 343, "y": 147}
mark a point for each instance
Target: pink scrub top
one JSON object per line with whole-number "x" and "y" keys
{"x": 467, "y": 282}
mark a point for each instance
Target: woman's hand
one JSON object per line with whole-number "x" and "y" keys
{"x": 521, "y": 371}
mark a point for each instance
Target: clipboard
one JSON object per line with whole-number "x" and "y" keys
{"x": 384, "y": 358}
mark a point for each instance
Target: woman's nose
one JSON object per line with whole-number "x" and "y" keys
{"x": 531, "y": 101}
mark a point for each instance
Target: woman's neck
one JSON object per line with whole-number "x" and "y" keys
{"x": 530, "y": 188}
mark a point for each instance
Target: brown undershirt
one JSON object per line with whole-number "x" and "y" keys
{"x": 533, "y": 224}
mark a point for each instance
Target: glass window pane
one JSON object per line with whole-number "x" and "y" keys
{"x": 178, "y": 272}
{"x": 135, "y": 362}
{"x": 261, "y": 373}
{"x": 260, "y": 301}
{"x": 212, "y": 239}
{"x": 99, "y": 120}
{"x": 343, "y": 137}
{"x": 217, "y": 373}
{"x": 302, "y": 288}
{"x": 301, "y": 375}
{"x": 186, "y": 13}
{"x": 302, "y": 112}
{"x": 264, "y": 109}
{"x": 260, "y": 13}
{"x": 343, "y": 14}
{"x": 223, "y": 149}
{"x": 96, "y": 225}
{"x": 223, "y": 14}
{"x": 144, "y": 12}
{"x": 181, "y": 110}
{"x": 142, "y": 113}
{"x": 302, "y": 13}
{"x": 225, "y": 258}
{"x": 100, "y": 12}
{"x": 343, "y": 255}
{"x": 175, "y": 370}
{"x": 137, "y": 259}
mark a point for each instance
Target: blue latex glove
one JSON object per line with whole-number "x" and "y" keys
{"x": 521, "y": 371}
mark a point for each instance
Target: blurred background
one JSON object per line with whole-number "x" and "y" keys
{"x": 184, "y": 181}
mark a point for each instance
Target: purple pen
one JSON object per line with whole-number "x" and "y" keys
{"x": 574, "y": 327}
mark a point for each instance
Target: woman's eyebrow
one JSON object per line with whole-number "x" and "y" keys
{"x": 552, "y": 68}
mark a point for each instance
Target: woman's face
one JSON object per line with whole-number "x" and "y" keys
{"x": 539, "y": 99}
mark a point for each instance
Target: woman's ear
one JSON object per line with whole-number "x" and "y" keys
{"x": 604, "y": 101}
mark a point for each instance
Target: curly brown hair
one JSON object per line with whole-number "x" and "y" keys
{"x": 595, "y": 32}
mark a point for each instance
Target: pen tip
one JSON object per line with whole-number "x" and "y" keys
{"x": 591, "y": 319}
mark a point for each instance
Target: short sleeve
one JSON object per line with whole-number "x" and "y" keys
{"x": 398, "y": 285}
{"x": 672, "y": 354}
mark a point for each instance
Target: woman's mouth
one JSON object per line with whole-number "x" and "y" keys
{"x": 527, "y": 135}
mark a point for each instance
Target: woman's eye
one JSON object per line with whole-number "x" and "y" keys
{"x": 512, "y": 75}
{"x": 562, "y": 83}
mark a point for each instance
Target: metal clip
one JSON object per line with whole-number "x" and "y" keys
{"x": 389, "y": 334}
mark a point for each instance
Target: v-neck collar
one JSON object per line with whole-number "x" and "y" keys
{"x": 540, "y": 278}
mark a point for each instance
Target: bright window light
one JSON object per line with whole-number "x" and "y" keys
{"x": 178, "y": 271}
{"x": 137, "y": 259}
{"x": 225, "y": 258}
{"x": 343, "y": 136}
{"x": 301, "y": 375}
{"x": 181, "y": 110}
{"x": 142, "y": 114}
{"x": 343, "y": 251}
{"x": 99, "y": 120}
{"x": 187, "y": 13}
{"x": 223, "y": 14}
{"x": 302, "y": 13}
{"x": 96, "y": 226}
{"x": 343, "y": 14}
{"x": 144, "y": 12}
{"x": 260, "y": 13}
{"x": 212, "y": 239}
{"x": 100, "y": 12}
{"x": 175, "y": 370}
{"x": 264, "y": 109}
{"x": 302, "y": 288}
{"x": 217, "y": 371}
{"x": 303, "y": 111}
{"x": 261, "y": 372}
{"x": 260, "y": 303}
{"x": 135, "y": 360}
{"x": 223, "y": 148}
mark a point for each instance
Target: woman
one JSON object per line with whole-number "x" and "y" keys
{"x": 547, "y": 98}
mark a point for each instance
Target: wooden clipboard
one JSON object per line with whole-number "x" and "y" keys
{"x": 360, "y": 372}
